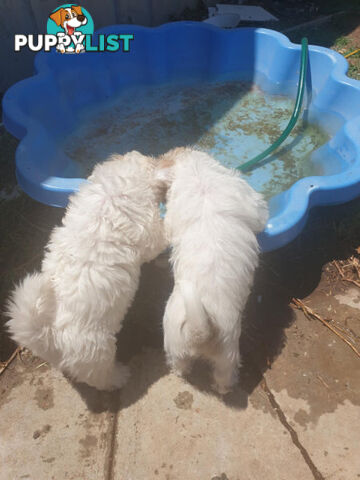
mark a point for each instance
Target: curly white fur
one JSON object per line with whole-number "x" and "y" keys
{"x": 70, "y": 313}
{"x": 211, "y": 221}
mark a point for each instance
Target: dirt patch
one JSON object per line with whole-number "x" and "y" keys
{"x": 16, "y": 374}
{"x": 223, "y": 476}
{"x": 49, "y": 460}
{"x": 44, "y": 398}
{"x": 42, "y": 432}
{"x": 316, "y": 366}
{"x": 88, "y": 444}
{"x": 184, "y": 400}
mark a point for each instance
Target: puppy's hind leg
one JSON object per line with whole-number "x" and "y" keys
{"x": 180, "y": 366}
{"x": 176, "y": 348}
{"x": 119, "y": 375}
{"x": 89, "y": 356}
{"x": 226, "y": 364}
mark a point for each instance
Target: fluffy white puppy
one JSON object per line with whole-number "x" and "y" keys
{"x": 70, "y": 312}
{"x": 211, "y": 220}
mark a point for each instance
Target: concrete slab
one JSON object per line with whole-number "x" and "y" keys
{"x": 177, "y": 430}
{"x": 46, "y": 431}
{"x": 316, "y": 383}
{"x": 294, "y": 414}
{"x": 351, "y": 298}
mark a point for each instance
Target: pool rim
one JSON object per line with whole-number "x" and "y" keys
{"x": 304, "y": 194}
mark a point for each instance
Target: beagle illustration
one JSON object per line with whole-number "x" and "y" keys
{"x": 69, "y": 19}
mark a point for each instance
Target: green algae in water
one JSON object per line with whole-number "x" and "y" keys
{"x": 233, "y": 121}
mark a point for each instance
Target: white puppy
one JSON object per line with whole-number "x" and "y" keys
{"x": 211, "y": 221}
{"x": 69, "y": 313}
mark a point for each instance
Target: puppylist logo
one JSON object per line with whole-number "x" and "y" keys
{"x": 70, "y": 24}
{"x": 70, "y": 29}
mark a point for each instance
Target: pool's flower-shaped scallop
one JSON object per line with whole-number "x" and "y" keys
{"x": 43, "y": 110}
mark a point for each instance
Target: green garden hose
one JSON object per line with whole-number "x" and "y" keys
{"x": 295, "y": 115}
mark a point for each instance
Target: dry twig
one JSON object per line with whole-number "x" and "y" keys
{"x": 322, "y": 381}
{"x": 342, "y": 274}
{"x": 4, "y": 365}
{"x": 309, "y": 313}
{"x": 41, "y": 365}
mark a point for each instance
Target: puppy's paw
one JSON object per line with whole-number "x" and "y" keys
{"x": 113, "y": 379}
{"x": 222, "y": 388}
{"x": 120, "y": 376}
{"x": 180, "y": 367}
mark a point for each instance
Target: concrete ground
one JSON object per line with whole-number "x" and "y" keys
{"x": 294, "y": 415}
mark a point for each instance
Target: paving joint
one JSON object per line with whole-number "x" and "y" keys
{"x": 293, "y": 434}
{"x": 110, "y": 455}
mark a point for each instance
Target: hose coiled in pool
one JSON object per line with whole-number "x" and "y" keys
{"x": 294, "y": 117}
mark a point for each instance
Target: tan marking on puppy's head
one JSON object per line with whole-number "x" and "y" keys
{"x": 164, "y": 170}
{"x": 149, "y": 164}
{"x": 167, "y": 162}
{"x": 169, "y": 158}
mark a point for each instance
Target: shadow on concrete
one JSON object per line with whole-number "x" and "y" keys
{"x": 293, "y": 271}
{"x": 141, "y": 334}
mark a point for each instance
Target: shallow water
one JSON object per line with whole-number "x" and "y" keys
{"x": 231, "y": 120}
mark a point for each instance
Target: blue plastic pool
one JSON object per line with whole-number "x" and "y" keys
{"x": 226, "y": 91}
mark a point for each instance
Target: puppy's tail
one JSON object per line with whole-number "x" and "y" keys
{"x": 197, "y": 324}
{"x": 31, "y": 309}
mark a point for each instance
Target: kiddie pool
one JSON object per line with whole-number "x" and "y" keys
{"x": 45, "y": 109}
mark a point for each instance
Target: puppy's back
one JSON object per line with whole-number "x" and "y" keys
{"x": 206, "y": 197}
{"x": 212, "y": 219}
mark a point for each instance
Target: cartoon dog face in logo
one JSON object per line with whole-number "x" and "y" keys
{"x": 69, "y": 19}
